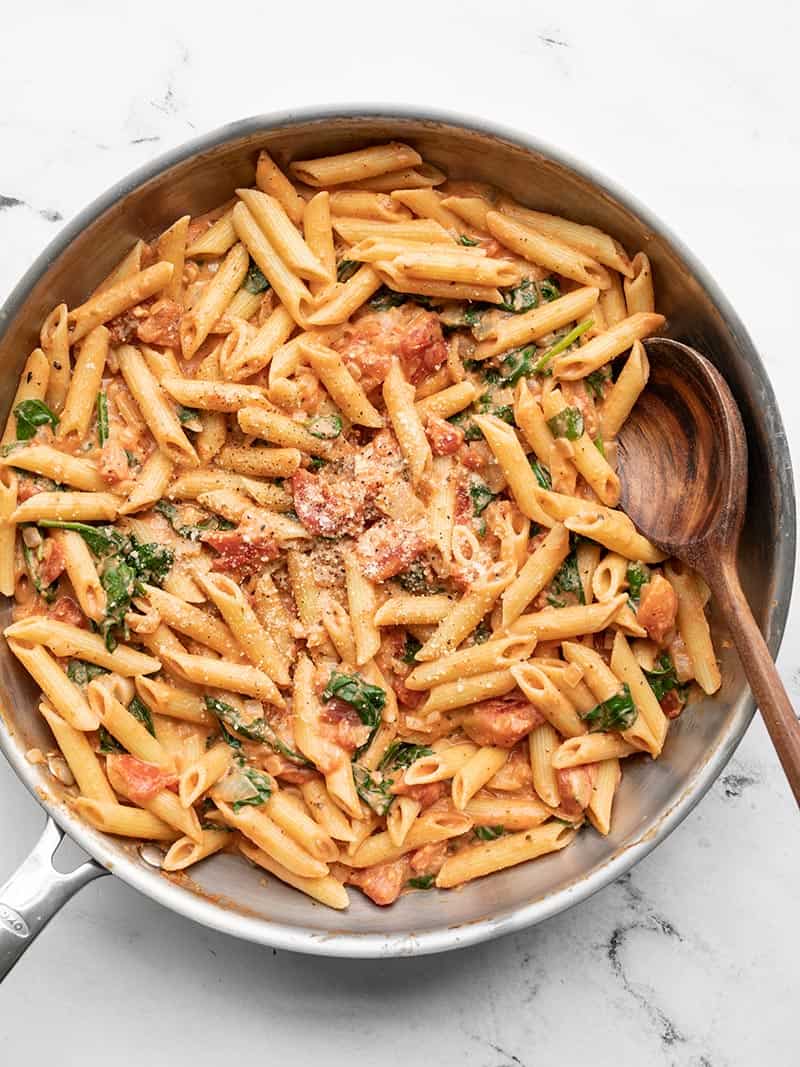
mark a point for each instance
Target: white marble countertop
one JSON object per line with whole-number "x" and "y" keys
{"x": 692, "y": 958}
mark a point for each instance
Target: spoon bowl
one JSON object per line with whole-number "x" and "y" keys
{"x": 683, "y": 476}
{"x": 685, "y": 436}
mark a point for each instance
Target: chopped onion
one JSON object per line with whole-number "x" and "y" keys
{"x": 59, "y": 769}
{"x": 235, "y": 786}
{"x": 151, "y": 854}
{"x": 31, "y": 536}
{"x": 252, "y": 709}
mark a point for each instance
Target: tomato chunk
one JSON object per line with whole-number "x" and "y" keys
{"x": 328, "y": 508}
{"x": 426, "y": 794}
{"x": 53, "y": 562}
{"x": 383, "y": 882}
{"x": 162, "y": 325}
{"x": 240, "y": 553}
{"x": 445, "y": 438}
{"x": 658, "y": 608}
{"x": 387, "y": 548}
{"x": 500, "y": 722}
{"x": 409, "y": 332}
{"x": 142, "y": 780}
{"x": 66, "y": 609}
{"x": 575, "y": 788}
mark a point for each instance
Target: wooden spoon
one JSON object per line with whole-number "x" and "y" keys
{"x": 683, "y": 468}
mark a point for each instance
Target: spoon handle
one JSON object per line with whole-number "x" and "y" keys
{"x": 762, "y": 674}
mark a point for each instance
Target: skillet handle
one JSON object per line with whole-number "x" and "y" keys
{"x": 34, "y": 893}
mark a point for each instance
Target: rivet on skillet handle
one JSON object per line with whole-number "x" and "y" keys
{"x": 34, "y": 893}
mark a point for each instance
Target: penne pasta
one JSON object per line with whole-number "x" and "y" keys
{"x": 533, "y": 325}
{"x": 291, "y": 291}
{"x": 123, "y": 294}
{"x": 694, "y": 629}
{"x": 606, "y": 346}
{"x": 283, "y": 235}
{"x": 156, "y": 410}
{"x": 87, "y": 375}
{"x": 271, "y": 179}
{"x": 398, "y": 395}
{"x": 545, "y": 251}
{"x": 506, "y": 851}
{"x": 343, "y": 389}
{"x": 55, "y": 345}
{"x": 625, "y": 391}
{"x": 587, "y": 239}
{"x": 355, "y": 166}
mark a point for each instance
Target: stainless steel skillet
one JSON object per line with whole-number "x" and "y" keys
{"x": 224, "y": 892}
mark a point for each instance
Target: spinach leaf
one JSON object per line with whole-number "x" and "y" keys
{"x": 481, "y": 633}
{"x": 119, "y": 583}
{"x": 505, "y": 412}
{"x": 128, "y": 564}
{"x": 521, "y": 298}
{"x": 517, "y": 364}
{"x": 567, "y": 423}
{"x": 30, "y": 415}
{"x": 470, "y": 242}
{"x": 373, "y": 791}
{"x": 140, "y": 711}
{"x": 456, "y": 316}
{"x": 568, "y": 580}
{"x": 325, "y": 427}
{"x": 422, "y": 881}
{"x": 255, "y": 282}
{"x": 368, "y": 700}
{"x": 225, "y": 736}
{"x": 346, "y": 269}
{"x": 255, "y": 730}
{"x": 562, "y": 344}
{"x": 664, "y": 678}
{"x": 410, "y": 649}
{"x": 480, "y": 495}
{"x": 401, "y": 754}
{"x": 186, "y": 414}
{"x": 102, "y": 540}
{"x": 386, "y": 298}
{"x": 491, "y": 375}
{"x": 316, "y": 463}
{"x": 594, "y": 382}
{"x": 489, "y": 833}
{"x": 637, "y": 575}
{"x": 262, "y": 783}
{"x": 542, "y": 474}
{"x": 466, "y": 423}
{"x": 600, "y": 446}
{"x": 414, "y": 579}
{"x": 31, "y": 557}
{"x": 617, "y": 713}
{"x": 81, "y": 673}
{"x": 151, "y": 562}
{"x": 102, "y": 418}
{"x": 106, "y": 743}
{"x": 191, "y": 532}
{"x": 548, "y": 290}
